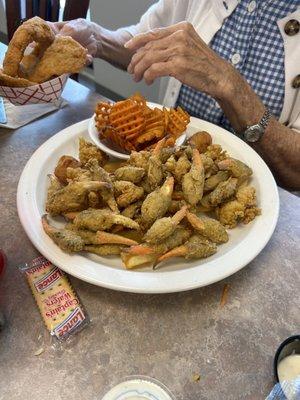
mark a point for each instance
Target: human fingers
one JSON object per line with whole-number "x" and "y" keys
{"x": 149, "y": 47}
{"x": 147, "y": 60}
{"x": 142, "y": 39}
{"x": 56, "y": 26}
{"x": 89, "y": 59}
{"x": 161, "y": 50}
{"x": 159, "y": 70}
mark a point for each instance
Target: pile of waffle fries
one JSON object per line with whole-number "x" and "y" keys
{"x": 132, "y": 125}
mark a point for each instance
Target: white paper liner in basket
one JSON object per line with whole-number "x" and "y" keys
{"x": 46, "y": 92}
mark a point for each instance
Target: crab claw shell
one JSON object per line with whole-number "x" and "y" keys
{"x": 136, "y": 260}
{"x": 195, "y": 221}
{"x": 179, "y": 251}
{"x": 70, "y": 216}
{"x": 108, "y": 238}
{"x": 140, "y": 250}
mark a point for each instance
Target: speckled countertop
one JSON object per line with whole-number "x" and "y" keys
{"x": 169, "y": 337}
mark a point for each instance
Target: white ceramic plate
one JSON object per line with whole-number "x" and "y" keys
{"x": 103, "y": 145}
{"x": 245, "y": 242}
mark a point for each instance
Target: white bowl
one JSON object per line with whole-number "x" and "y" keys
{"x": 113, "y": 151}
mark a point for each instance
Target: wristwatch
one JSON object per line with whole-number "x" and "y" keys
{"x": 255, "y": 132}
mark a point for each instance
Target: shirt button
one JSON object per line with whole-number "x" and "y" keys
{"x": 236, "y": 58}
{"x": 292, "y": 27}
{"x": 251, "y": 6}
{"x": 296, "y": 82}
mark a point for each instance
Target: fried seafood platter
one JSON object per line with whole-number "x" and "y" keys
{"x": 163, "y": 203}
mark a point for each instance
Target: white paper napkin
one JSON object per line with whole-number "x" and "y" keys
{"x": 21, "y": 115}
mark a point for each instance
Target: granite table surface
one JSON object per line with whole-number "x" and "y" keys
{"x": 170, "y": 337}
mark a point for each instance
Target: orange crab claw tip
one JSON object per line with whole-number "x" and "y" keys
{"x": 194, "y": 221}
{"x": 140, "y": 250}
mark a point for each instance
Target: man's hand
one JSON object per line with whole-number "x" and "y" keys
{"x": 178, "y": 51}
{"x": 80, "y": 30}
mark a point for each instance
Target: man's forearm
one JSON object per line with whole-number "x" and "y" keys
{"x": 110, "y": 46}
{"x": 279, "y": 146}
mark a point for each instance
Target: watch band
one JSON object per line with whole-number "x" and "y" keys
{"x": 255, "y": 132}
{"x": 265, "y": 118}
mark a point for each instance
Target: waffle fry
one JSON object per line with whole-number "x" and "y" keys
{"x": 102, "y": 115}
{"x": 154, "y": 127}
{"x": 132, "y": 125}
{"x": 127, "y": 118}
{"x": 178, "y": 121}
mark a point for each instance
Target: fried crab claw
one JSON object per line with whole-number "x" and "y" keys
{"x": 193, "y": 181}
{"x": 104, "y": 250}
{"x": 129, "y": 173}
{"x": 145, "y": 253}
{"x": 67, "y": 240}
{"x": 223, "y": 191}
{"x": 238, "y": 169}
{"x": 73, "y": 197}
{"x": 127, "y": 193}
{"x": 111, "y": 238}
{"x": 157, "y": 203}
{"x": 164, "y": 227}
{"x": 208, "y": 227}
{"x": 155, "y": 167}
{"x": 96, "y": 220}
{"x": 195, "y": 248}
{"x": 100, "y": 237}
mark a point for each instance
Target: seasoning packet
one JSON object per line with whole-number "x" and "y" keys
{"x": 59, "y": 305}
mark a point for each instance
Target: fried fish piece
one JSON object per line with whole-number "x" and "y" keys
{"x": 6, "y": 80}
{"x": 63, "y": 56}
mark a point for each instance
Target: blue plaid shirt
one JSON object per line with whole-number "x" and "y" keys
{"x": 251, "y": 40}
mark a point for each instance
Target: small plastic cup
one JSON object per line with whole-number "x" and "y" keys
{"x": 139, "y": 387}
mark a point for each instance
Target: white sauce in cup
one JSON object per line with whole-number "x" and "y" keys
{"x": 139, "y": 388}
{"x": 289, "y": 368}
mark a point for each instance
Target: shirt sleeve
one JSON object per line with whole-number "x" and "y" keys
{"x": 161, "y": 14}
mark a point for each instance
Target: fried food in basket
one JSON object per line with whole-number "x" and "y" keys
{"x": 36, "y": 55}
{"x": 6, "y": 80}
{"x": 63, "y": 56}
{"x": 160, "y": 204}
{"x": 132, "y": 125}
{"x": 33, "y": 30}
